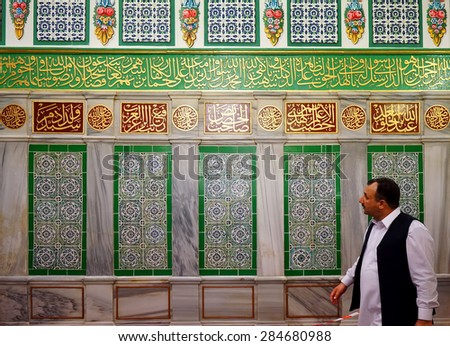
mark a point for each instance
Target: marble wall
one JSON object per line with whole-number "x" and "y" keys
{"x": 185, "y": 297}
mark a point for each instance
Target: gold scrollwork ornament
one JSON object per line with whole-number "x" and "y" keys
{"x": 19, "y": 24}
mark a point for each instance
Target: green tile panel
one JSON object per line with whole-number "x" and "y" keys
{"x": 227, "y": 210}
{"x": 57, "y": 182}
{"x": 404, "y": 164}
{"x": 312, "y": 210}
{"x": 142, "y": 210}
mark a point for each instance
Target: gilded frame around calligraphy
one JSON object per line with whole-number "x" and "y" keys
{"x": 355, "y": 113}
{"x": 414, "y": 131}
{"x": 148, "y": 132}
{"x": 20, "y": 121}
{"x": 427, "y": 118}
{"x": 249, "y": 122}
{"x": 191, "y": 123}
{"x": 333, "y": 125}
{"x": 276, "y": 117}
{"x": 97, "y": 107}
{"x": 36, "y": 118}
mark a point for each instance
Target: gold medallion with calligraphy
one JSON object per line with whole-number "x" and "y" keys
{"x": 100, "y": 118}
{"x": 228, "y": 118}
{"x": 353, "y": 117}
{"x": 437, "y": 117}
{"x": 311, "y": 117}
{"x": 270, "y": 118}
{"x": 185, "y": 117}
{"x": 144, "y": 118}
{"x": 13, "y": 117}
{"x": 58, "y": 117}
{"x": 394, "y": 118}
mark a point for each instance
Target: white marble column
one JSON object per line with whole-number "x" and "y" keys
{"x": 353, "y": 181}
{"x": 100, "y": 220}
{"x": 270, "y": 211}
{"x": 185, "y": 280}
{"x": 185, "y": 209}
{"x": 13, "y": 208}
{"x": 353, "y": 220}
{"x": 437, "y": 200}
{"x": 270, "y": 226}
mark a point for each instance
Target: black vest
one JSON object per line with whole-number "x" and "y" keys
{"x": 397, "y": 291}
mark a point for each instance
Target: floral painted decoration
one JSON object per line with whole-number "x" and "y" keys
{"x": 104, "y": 20}
{"x": 355, "y": 20}
{"x": 273, "y": 20}
{"x": 20, "y": 9}
{"x": 189, "y": 15}
{"x": 437, "y": 20}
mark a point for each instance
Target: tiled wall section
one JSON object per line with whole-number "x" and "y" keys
{"x": 146, "y": 21}
{"x": 143, "y": 210}
{"x": 380, "y": 23}
{"x": 227, "y": 199}
{"x": 396, "y": 22}
{"x": 61, "y": 21}
{"x": 227, "y": 205}
{"x": 232, "y": 22}
{"x": 57, "y": 209}
{"x": 314, "y": 22}
{"x": 312, "y": 210}
{"x": 264, "y": 293}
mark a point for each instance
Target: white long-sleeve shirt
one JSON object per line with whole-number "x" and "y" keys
{"x": 419, "y": 248}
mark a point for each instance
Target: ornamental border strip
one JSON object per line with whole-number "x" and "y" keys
{"x": 301, "y": 71}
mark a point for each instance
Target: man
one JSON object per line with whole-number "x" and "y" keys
{"x": 394, "y": 280}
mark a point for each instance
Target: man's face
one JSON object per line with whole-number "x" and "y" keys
{"x": 371, "y": 206}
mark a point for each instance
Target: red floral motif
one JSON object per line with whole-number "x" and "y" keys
{"x": 105, "y": 21}
{"x": 189, "y": 17}
{"x": 437, "y": 21}
{"x": 273, "y": 21}
{"x": 19, "y": 14}
{"x": 354, "y": 21}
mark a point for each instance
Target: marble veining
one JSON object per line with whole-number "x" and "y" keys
{"x": 270, "y": 209}
{"x": 99, "y": 209}
{"x": 185, "y": 210}
{"x": 228, "y": 302}
{"x": 13, "y": 208}
{"x": 309, "y": 301}
{"x": 61, "y": 303}
{"x": 13, "y": 304}
{"x": 99, "y": 302}
{"x": 142, "y": 303}
{"x": 185, "y": 297}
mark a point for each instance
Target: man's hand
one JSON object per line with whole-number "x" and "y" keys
{"x": 337, "y": 292}
{"x": 424, "y": 323}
